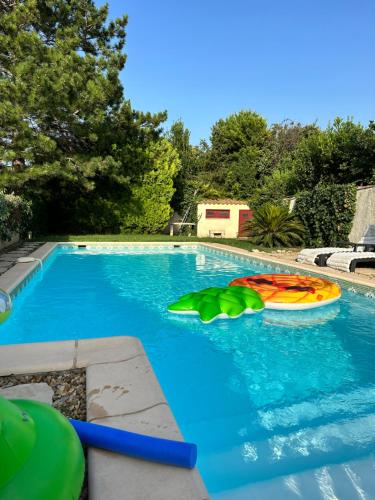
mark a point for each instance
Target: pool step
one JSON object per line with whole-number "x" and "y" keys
{"x": 234, "y": 429}
{"x": 354, "y": 480}
{"x": 303, "y": 449}
{"x": 340, "y": 405}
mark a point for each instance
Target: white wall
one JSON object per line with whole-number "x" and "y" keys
{"x": 228, "y": 226}
{"x": 364, "y": 213}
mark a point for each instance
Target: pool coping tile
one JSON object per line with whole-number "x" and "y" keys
{"x": 13, "y": 280}
{"x": 37, "y": 357}
{"x": 98, "y": 351}
{"x": 121, "y": 388}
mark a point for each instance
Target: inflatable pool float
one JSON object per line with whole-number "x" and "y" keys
{"x": 5, "y": 306}
{"x": 41, "y": 456}
{"x": 212, "y": 303}
{"x": 291, "y": 291}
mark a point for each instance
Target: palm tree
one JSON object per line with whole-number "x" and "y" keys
{"x": 274, "y": 225}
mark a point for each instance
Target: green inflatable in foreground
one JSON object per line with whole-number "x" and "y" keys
{"x": 41, "y": 456}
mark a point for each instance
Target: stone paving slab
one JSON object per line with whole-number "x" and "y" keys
{"x": 23, "y": 250}
{"x": 37, "y": 357}
{"x": 121, "y": 388}
{"x": 36, "y": 392}
{"x": 109, "y": 349}
{"x": 155, "y": 421}
{"x": 7, "y": 258}
{"x": 16, "y": 253}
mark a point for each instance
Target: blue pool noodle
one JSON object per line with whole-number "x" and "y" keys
{"x": 151, "y": 448}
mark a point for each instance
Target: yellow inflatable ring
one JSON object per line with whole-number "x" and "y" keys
{"x": 291, "y": 291}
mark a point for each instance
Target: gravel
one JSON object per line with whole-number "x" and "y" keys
{"x": 69, "y": 397}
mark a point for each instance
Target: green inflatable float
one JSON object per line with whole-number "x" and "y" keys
{"x": 41, "y": 456}
{"x": 225, "y": 302}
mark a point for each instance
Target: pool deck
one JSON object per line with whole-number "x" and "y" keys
{"x": 9, "y": 256}
{"x": 123, "y": 391}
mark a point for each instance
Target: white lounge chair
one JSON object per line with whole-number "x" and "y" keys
{"x": 348, "y": 261}
{"x": 319, "y": 256}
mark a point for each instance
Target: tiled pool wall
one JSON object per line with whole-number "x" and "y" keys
{"x": 234, "y": 254}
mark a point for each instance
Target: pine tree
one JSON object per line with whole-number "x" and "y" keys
{"x": 66, "y": 131}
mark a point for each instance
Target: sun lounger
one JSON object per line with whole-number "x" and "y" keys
{"x": 319, "y": 256}
{"x": 348, "y": 261}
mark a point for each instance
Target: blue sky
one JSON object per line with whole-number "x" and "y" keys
{"x": 202, "y": 60}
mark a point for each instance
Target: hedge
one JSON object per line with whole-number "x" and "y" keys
{"x": 327, "y": 212}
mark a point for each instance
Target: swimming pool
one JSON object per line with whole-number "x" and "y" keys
{"x": 263, "y": 395}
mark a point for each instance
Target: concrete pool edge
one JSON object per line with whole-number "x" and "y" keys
{"x": 122, "y": 391}
{"x": 13, "y": 280}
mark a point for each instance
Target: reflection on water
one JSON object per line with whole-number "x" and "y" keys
{"x": 283, "y": 365}
{"x": 301, "y": 319}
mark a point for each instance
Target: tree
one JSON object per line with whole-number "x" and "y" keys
{"x": 342, "y": 154}
{"x": 284, "y": 140}
{"x": 245, "y": 174}
{"x": 68, "y": 139}
{"x": 152, "y": 196}
{"x": 59, "y": 69}
{"x": 179, "y": 137}
{"x": 238, "y": 131}
{"x": 192, "y": 182}
{"x": 237, "y": 151}
{"x": 276, "y": 187}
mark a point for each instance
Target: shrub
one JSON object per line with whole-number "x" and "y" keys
{"x": 327, "y": 212}
{"x": 15, "y": 215}
{"x": 274, "y": 225}
{"x": 151, "y": 210}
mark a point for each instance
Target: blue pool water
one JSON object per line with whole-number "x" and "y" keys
{"x": 263, "y": 395}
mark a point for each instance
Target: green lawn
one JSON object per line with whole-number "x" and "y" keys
{"x": 147, "y": 237}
